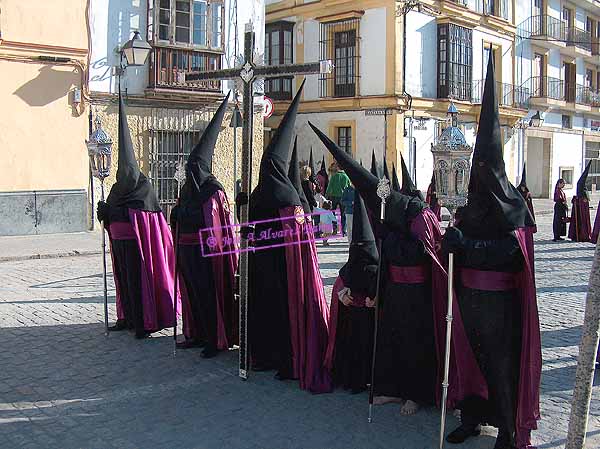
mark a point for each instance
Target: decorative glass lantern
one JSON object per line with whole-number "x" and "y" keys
{"x": 452, "y": 164}
{"x": 136, "y": 50}
{"x": 99, "y": 151}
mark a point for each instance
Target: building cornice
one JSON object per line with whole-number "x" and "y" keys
{"x": 46, "y": 49}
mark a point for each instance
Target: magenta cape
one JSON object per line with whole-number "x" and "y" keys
{"x": 357, "y": 301}
{"x": 155, "y": 243}
{"x": 579, "y": 228}
{"x": 218, "y": 220}
{"x": 465, "y": 377}
{"x": 307, "y": 307}
{"x": 596, "y": 230}
{"x": 322, "y": 183}
{"x": 528, "y": 402}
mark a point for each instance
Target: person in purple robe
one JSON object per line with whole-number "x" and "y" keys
{"x": 579, "y": 228}
{"x": 287, "y": 310}
{"x": 432, "y": 200}
{"x": 141, "y": 245}
{"x": 414, "y": 292}
{"x": 529, "y": 230}
{"x": 596, "y": 228}
{"x": 496, "y": 292}
{"x": 351, "y": 322}
{"x": 206, "y": 273}
{"x": 559, "y": 221}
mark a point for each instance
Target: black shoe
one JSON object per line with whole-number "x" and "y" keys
{"x": 462, "y": 433}
{"x": 187, "y": 344}
{"x": 282, "y": 376}
{"x": 209, "y": 352}
{"x": 120, "y": 325}
{"x": 140, "y": 335}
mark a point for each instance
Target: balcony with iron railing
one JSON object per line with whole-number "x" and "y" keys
{"x": 508, "y": 95}
{"x": 587, "y": 96}
{"x": 168, "y": 67}
{"x": 550, "y": 31}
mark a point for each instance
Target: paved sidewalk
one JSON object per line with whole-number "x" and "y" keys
{"x": 50, "y": 246}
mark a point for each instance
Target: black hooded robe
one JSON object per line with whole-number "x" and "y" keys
{"x": 580, "y": 227}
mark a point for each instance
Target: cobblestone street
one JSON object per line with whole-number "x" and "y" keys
{"x": 64, "y": 385}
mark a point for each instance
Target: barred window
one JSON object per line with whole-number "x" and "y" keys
{"x": 344, "y": 138}
{"x": 279, "y": 49}
{"x": 340, "y": 42}
{"x": 455, "y": 61}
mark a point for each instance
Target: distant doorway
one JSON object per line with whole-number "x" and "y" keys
{"x": 538, "y": 167}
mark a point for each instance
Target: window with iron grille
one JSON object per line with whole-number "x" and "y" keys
{"x": 340, "y": 42}
{"x": 344, "y": 138}
{"x": 189, "y": 23}
{"x": 279, "y": 49}
{"x": 455, "y": 62}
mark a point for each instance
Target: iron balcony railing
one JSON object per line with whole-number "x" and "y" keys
{"x": 587, "y": 95}
{"x": 551, "y": 28}
{"x": 547, "y": 87}
{"x": 508, "y": 94}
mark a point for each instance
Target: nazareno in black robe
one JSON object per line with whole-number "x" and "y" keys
{"x": 351, "y": 328}
{"x": 494, "y": 287}
{"x": 406, "y": 354}
{"x": 209, "y": 313}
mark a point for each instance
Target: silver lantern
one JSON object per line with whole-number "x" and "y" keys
{"x": 452, "y": 168}
{"x": 452, "y": 165}
{"x": 99, "y": 151}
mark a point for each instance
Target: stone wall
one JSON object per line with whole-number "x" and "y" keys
{"x": 142, "y": 119}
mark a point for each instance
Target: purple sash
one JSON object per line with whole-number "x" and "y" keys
{"x": 121, "y": 230}
{"x": 491, "y": 281}
{"x": 189, "y": 239}
{"x": 416, "y": 274}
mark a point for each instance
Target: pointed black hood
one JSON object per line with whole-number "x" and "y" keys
{"x": 200, "y": 183}
{"x": 386, "y": 172}
{"x": 399, "y": 207}
{"x": 274, "y": 189}
{"x": 395, "y": 182}
{"x": 357, "y": 273}
{"x": 495, "y": 206}
{"x": 374, "y": 168}
{"x": 523, "y": 183}
{"x": 408, "y": 186}
{"x": 296, "y": 179}
{"x": 311, "y": 165}
{"x": 581, "y": 189}
{"x": 132, "y": 189}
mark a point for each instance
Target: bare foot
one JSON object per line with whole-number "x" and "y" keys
{"x": 381, "y": 400}
{"x": 409, "y": 408}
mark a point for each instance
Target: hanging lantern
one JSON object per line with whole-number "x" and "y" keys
{"x": 452, "y": 164}
{"x": 99, "y": 151}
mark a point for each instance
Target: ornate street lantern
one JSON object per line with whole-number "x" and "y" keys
{"x": 99, "y": 151}
{"x": 452, "y": 165}
{"x": 136, "y": 50}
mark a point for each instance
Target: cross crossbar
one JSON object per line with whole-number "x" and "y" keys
{"x": 258, "y": 72}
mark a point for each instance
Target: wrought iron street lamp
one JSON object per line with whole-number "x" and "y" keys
{"x": 536, "y": 120}
{"x": 100, "y": 153}
{"x": 452, "y": 168}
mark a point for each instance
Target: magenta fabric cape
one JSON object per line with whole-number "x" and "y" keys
{"x": 528, "y": 402}
{"x": 155, "y": 243}
{"x": 307, "y": 307}
{"x": 217, "y": 218}
{"x": 322, "y": 183}
{"x": 357, "y": 301}
{"x": 528, "y": 234}
{"x": 465, "y": 377}
{"x": 596, "y": 230}
{"x": 579, "y": 228}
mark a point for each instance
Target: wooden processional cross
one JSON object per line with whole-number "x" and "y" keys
{"x": 249, "y": 72}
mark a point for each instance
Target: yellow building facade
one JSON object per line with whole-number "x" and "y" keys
{"x": 43, "y": 120}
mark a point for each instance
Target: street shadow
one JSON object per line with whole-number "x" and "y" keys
{"x": 329, "y": 280}
{"x": 563, "y": 250}
{"x": 559, "y": 338}
{"x": 67, "y": 282}
{"x": 76, "y": 300}
{"x": 331, "y": 265}
{"x": 562, "y": 442}
{"x": 50, "y": 84}
{"x": 558, "y": 379}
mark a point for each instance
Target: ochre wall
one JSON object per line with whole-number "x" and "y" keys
{"x": 41, "y": 138}
{"x": 50, "y": 22}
